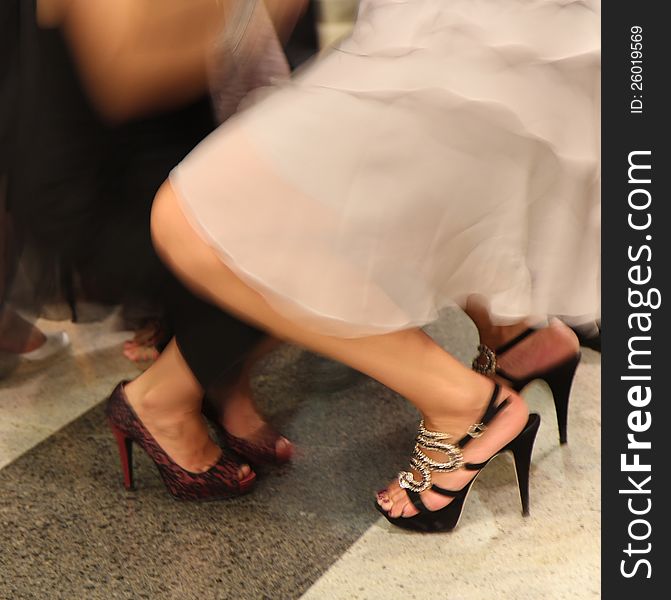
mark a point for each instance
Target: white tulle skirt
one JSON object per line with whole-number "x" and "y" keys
{"x": 446, "y": 148}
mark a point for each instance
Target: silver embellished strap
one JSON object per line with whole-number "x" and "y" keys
{"x": 420, "y": 462}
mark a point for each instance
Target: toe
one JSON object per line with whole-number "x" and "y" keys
{"x": 395, "y": 501}
{"x": 402, "y": 505}
{"x": 385, "y": 504}
{"x": 408, "y": 510}
{"x": 284, "y": 449}
{"x": 398, "y": 495}
{"x": 397, "y": 509}
{"x": 243, "y": 472}
{"x": 383, "y": 500}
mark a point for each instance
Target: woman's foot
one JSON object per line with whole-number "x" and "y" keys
{"x": 542, "y": 350}
{"x": 503, "y": 428}
{"x": 22, "y": 339}
{"x": 246, "y": 431}
{"x": 181, "y": 433}
{"x": 243, "y": 427}
{"x": 589, "y": 334}
{"x": 18, "y": 336}
{"x": 143, "y": 355}
{"x": 143, "y": 348}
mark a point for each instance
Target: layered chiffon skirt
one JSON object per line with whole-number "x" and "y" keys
{"x": 445, "y": 148}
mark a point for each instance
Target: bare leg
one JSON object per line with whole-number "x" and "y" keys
{"x": 546, "y": 348}
{"x": 449, "y": 396}
{"x": 407, "y": 361}
{"x": 167, "y": 399}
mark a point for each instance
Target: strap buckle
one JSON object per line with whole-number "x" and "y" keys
{"x": 476, "y": 430}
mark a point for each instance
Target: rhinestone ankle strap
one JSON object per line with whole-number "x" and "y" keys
{"x": 485, "y": 362}
{"x": 437, "y": 441}
{"x": 430, "y": 440}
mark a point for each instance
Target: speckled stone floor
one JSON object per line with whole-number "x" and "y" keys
{"x": 69, "y": 530}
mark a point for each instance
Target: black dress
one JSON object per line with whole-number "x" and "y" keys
{"x": 80, "y": 192}
{"x": 9, "y": 48}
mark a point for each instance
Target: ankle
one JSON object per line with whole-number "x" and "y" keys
{"x": 157, "y": 403}
{"x": 240, "y": 415}
{"x": 461, "y": 405}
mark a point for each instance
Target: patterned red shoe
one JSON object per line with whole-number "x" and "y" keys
{"x": 218, "y": 482}
{"x": 259, "y": 449}
{"x": 262, "y": 450}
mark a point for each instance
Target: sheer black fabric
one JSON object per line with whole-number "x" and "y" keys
{"x": 79, "y": 192}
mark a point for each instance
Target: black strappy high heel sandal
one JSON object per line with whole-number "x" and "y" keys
{"x": 559, "y": 378}
{"x": 447, "y": 518}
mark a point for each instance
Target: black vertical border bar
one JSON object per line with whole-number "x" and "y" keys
{"x": 623, "y": 133}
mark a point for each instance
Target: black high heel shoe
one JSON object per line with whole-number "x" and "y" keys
{"x": 559, "y": 378}
{"x": 447, "y": 518}
{"x": 219, "y": 482}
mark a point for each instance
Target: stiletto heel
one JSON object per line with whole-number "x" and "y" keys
{"x": 218, "y": 482}
{"x": 560, "y": 381}
{"x": 125, "y": 445}
{"x": 558, "y": 378}
{"x": 521, "y": 448}
{"x": 447, "y": 518}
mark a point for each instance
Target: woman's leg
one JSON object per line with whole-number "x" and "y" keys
{"x": 449, "y": 396}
